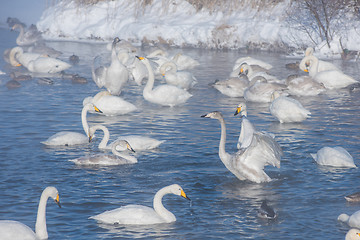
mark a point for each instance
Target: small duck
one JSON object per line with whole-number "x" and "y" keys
{"x": 354, "y": 197}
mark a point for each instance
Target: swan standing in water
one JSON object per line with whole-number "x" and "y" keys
{"x": 181, "y": 79}
{"x": 353, "y": 220}
{"x": 286, "y": 109}
{"x": 66, "y": 138}
{"x": 332, "y": 79}
{"x": 13, "y": 230}
{"x": 113, "y": 77}
{"x": 110, "y": 105}
{"x": 109, "y": 160}
{"x": 138, "y": 143}
{"x": 248, "y": 163}
{"x": 143, "y": 215}
{"x": 353, "y": 234}
{"x": 335, "y": 157}
{"x": 166, "y": 95}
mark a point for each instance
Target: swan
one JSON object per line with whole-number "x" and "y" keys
{"x": 304, "y": 86}
{"x": 335, "y": 157}
{"x": 260, "y": 90}
{"x": 353, "y": 234}
{"x": 353, "y": 220}
{"x": 66, "y": 138}
{"x": 332, "y": 79}
{"x": 47, "y": 65}
{"x": 110, "y": 105}
{"x": 181, "y": 79}
{"x": 251, "y": 61}
{"x": 247, "y": 129}
{"x": 109, "y": 160}
{"x": 233, "y": 87}
{"x": 14, "y": 230}
{"x": 286, "y": 109}
{"x": 138, "y": 143}
{"x": 138, "y": 71}
{"x": 354, "y": 197}
{"x": 184, "y": 62}
{"x": 323, "y": 65}
{"x": 29, "y": 37}
{"x": 112, "y": 77}
{"x": 143, "y": 215}
{"x": 166, "y": 95}
{"x": 158, "y": 56}
{"x": 248, "y": 163}
{"x": 42, "y": 48}
{"x": 18, "y": 57}
{"x": 249, "y": 71}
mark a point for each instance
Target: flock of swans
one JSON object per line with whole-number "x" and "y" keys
{"x": 255, "y": 149}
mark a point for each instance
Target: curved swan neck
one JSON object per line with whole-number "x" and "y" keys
{"x": 122, "y": 155}
{"x": 84, "y": 122}
{"x": 159, "y": 207}
{"x": 16, "y": 51}
{"x": 151, "y": 78}
{"x": 165, "y": 67}
{"x": 314, "y": 64}
{"x": 105, "y": 138}
{"x": 40, "y": 226}
{"x": 222, "y": 151}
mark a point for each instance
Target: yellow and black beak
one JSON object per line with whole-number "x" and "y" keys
{"x": 140, "y": 58}
{"x": 57, "y": 200}
{"x": 129, "y": 147}
{"x": 90, "y": 138}
{"x": 97, "y": 110}
{"x": 238, "y": 110}
{"x": 184, "y": 195}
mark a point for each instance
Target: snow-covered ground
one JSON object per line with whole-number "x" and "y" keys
{"x": 177, "y": 23}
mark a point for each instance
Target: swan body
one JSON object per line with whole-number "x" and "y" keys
{"x": 66, "y": 138}
{"x": 353, "y": 234}
{"x": 166, "y": 95}
{"x": 322, "y": 65}
{"x": 184, "y": 62}
{"x": 353, "y": 220}
{"x": 232, "y": 87}
{"x": 109, "y": 160}
{"x": 251, "y": 61}
{"x": 138, "y": 143}
{"x": 114, "y": 76}
{"x": 181, "y": 79}
{"x": 248, "y": 163}
{"x": 143, "y": 215}
{"x": 332, "y": 79}
{"x": 47, "y": 65}
{"x": 260, "y": 90}
{"x": 110, "y": 105}
{"x": 29, "y": 37}
{"x": 139, "y": 71}
{"x": 336, "y": 157}
{"x": 304, "y": 86}
{"x": 286, "y": 109}
{"x": 13, "y": 230}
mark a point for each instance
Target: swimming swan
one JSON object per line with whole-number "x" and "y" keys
{"x": 332, "y": 79}
{"x": 260, "y": 90}
{"x": 110, "y": 105}
{"x": 116, "y": 158}
{"x": 248, "y": 163}
{"x": 353, "y": 234}
{"x": 143, "y": 215}
{"x": 14, "y": 230}
{"x": 166, "y": 95}
{"x": 233, "y": 87}
{"x": 31, "y": 36}
{"x": 323, "y": 65}
{"x": 138, "y": 143}
{"x": 181, "y": 79}
{"x": 66, "y": 138}
{"x": 184, "y": 61}
{"x": 47, "y": 65}
{"x": 286, "y": 109}
{"x": 353, "y": 220}
{"x": 18, "y": 57}
{"x": 251, "y": 61}
{"x": 112, "y": 77}
{"x": 335, "y": 157}
{"x": 304, "y": 86}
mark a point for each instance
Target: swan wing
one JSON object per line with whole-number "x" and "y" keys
{"x": 65, "y": 138}
{"x": 99, "y": 76}
{"x": 13, "y": 230}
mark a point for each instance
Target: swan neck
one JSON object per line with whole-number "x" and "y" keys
{"x": 40, "y": 226}
{"x": 151, "y": 78}
{"x": 165, "y": 66}
{"x": 84, "y": 118}
{"x": 314, "y": 65}
{"x": 105, "y": 138}
{"x": 159, "y": 207}
{"x": 222, "y": 150}
{"x": 16, "y": 51}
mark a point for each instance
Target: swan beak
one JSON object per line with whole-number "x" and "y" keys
{"x": 90, "y": 138}
{"x": 129, "y": 147}
{"x": 140, "y": 58}
{"x": 57, "y": 200}
{"x": 241, "y": 70}
{"x": 97, "y": 110}
{"x": 238, "y": 110}
{"x": 18, "y": 65}
{"x": 204, "y": 115}
{"x": 305, "y": 70}
{"x": 184, "y": 195}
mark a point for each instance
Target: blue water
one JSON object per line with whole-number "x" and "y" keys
{"x": 308, "y": 198}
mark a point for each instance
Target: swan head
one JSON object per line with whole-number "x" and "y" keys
{"x": 53, "y": 193}
{"x": 123, "y": 144}
{"x": 343, "y": 217}
{"x": 215, "y": 115}
{"x": 177, "y": 190}
{"x": 241, "y": 108}
{"x": 353, "y": 234}
{"x": 244, "y": 69}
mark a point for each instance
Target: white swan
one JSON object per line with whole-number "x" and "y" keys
{"x": 332, "y": 79}
{"x": 233, "y": 87}
{"x": 323, "y": 65}
{"x": 286, "y": 109}
{"x": 31, "y": 36}
{"x": 304, "y": 86}
{"x": 249, "y": 71}
{"x": 13, "y": 230}
{"x": 18, "y": 57}
{"x": 353, "y": 234}
{"x": 112, "y": 77}
{"x": 166, "y": 95}
{"x": 116, "y": 158}
{"x": 110, "y": 105}
{"x": 336, "y": 157}
{"x": 47, "y": 65}
{"x": 181, "y": 79}
{"x": 248, "y": 163}
{"x": 184, "y": 61}
{"x": 138, "y": 143}
{"x": 353, "y": 220}
{"x": 251, "y": 61}
{"x": 247, "y": 129}
{"x": 66, "y": 138}
{"x": 260, "y": 90}
{"x": 158, "y": 56}
{"x": 138, "y": 71}
{"x": 143, "y": 215}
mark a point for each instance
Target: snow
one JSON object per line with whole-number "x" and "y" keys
{"x": 178, "y": 23}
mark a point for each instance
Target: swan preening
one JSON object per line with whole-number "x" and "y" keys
{"x": 181, "y": 79}
{"x": 66, "y": 138}
{"x": 249, "y": 162}
{"x": 335, "y": 157}
{"x": 109, "y": 160}
{"x": 13, "y": 230}
{"x": 322, "y": 65}
{"x": 143, "y": 215}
